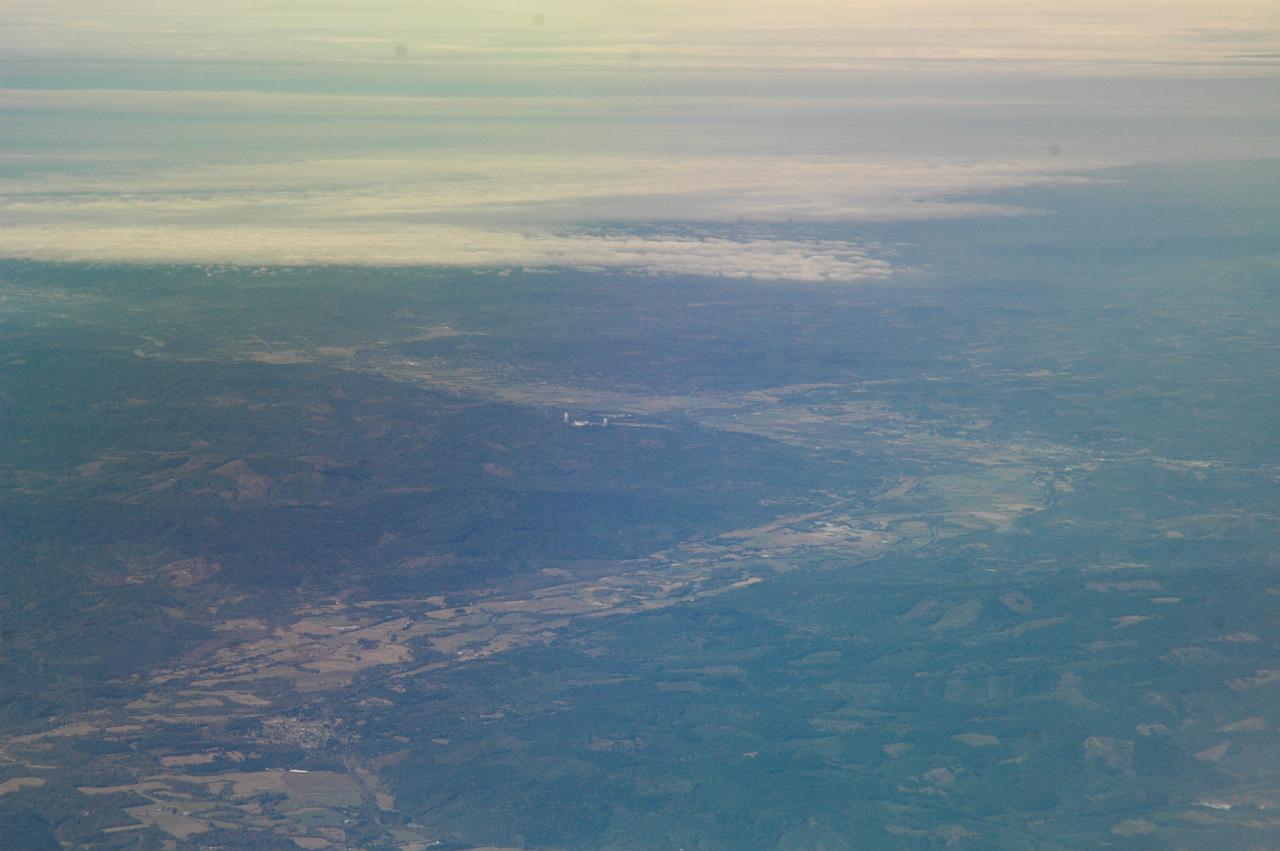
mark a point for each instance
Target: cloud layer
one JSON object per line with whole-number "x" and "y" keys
{"x": 568, "y": 132}
{"x": 456, "y": 208}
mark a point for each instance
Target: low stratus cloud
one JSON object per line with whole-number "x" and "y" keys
{"x": 531, "y": 204}
{"x": 456, "y": 208}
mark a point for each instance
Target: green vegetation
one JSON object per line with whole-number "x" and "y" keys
{"x": 982, "y": 558}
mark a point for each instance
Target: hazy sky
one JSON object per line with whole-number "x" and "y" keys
{"x": 660, "y": 136}
{"x": 1084, "y": 36}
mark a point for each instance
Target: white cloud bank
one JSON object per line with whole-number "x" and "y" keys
{"x": 453, "y": 208}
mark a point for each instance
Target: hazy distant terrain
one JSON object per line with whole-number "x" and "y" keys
{"x": 639, "y": 425}
{"x": 980, "y": 553}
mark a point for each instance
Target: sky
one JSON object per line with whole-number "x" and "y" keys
{"x": 660, "y": 137}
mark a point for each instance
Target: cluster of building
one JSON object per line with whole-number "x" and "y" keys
{"x": 604, "y": 422}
